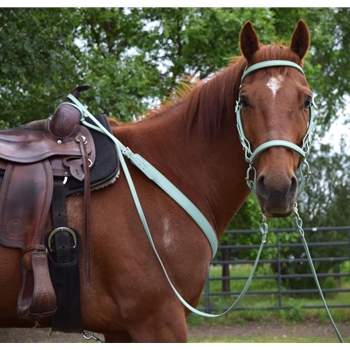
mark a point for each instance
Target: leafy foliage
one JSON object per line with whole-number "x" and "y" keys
{"x": 36, "y": 62}
{"x": 135, "y": 57}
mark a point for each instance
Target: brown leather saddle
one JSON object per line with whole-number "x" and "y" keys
{"x": 32, "y": 156}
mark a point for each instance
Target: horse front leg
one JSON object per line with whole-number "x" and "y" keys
{"x": 168, "y": 326}
{"x": 118, "y": 338}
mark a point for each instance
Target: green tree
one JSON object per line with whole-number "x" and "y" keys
{"x": 135, "y": 57}
{"x": 123, "y": 80}
{"x": 327, "y": 63}
{"x": 37, "y": 53}
{"x": 326, "y": 200}
{"x": 152, "y": 50}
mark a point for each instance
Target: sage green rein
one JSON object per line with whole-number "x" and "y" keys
{"x": 303, "y": 151}
{"x": 154, "y": 175}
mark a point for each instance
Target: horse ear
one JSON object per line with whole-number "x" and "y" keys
{"x": 300, "y": 42}
{"x": 249, "y": 41}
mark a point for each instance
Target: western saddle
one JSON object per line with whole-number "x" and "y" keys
{"x": 33, "y": 159}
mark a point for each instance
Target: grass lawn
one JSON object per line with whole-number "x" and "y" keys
{"x": 267, "y": 339}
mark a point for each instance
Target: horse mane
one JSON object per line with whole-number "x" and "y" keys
{"x": 206, "y": 104}
{"x": 211, "y": 101}
{"x": 207, "y": 101}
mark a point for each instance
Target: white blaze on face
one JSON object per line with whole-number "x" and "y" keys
{"x": 274, "y": 84}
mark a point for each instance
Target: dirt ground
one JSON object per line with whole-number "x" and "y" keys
{"x": 243, "y": 331}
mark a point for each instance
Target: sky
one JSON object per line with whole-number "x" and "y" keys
{"x": 337, "y": 129}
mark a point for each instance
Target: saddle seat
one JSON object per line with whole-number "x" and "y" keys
{"x": 32, "y": 157}
{"x": 34, "y": 142}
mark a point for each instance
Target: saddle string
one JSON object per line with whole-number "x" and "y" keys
{"x": 87, "y": 195}
{"x": 87, "y": 192}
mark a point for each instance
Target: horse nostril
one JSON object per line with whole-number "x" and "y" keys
{"x": 293, "y": 187}
{"x": 261, "y": 188}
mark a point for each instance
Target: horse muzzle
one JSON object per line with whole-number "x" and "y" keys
{"x": 277, "y": 194}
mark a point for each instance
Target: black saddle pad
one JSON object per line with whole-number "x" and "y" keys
{"x": 106, "y": 165}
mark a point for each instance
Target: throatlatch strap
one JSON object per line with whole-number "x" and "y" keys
{"x": 63, "y": 251}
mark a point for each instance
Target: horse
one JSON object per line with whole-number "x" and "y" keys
{"x": 194, "y": 142}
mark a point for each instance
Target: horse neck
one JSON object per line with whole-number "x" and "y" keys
{"x": 210, "y": 172}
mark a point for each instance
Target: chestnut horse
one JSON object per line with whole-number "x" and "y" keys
{"x": 193, "y": 142}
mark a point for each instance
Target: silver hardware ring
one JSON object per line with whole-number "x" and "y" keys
{"x": 61, "y": 229}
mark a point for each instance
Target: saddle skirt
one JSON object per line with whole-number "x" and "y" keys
{"x": 31, "y": 157}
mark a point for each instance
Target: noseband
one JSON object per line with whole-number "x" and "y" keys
{"x": 303, "y": 151}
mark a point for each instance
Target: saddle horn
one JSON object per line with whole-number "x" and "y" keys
{"x": 78, "y": 90}
{"x": 66, "y": 117}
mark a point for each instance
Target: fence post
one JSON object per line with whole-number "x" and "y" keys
{"x": 349, "y": 248}
{"x": 279, "y": 270}
{"x": 207, "y": 295}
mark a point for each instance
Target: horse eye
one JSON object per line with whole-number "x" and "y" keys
{"x": 245, "y": 101}
{"x": 307, "y": 102}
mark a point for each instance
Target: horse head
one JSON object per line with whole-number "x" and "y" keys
{"x": 275, "y": 108}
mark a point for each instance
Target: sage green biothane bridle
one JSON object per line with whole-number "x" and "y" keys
{"x": 154, "y": 175}
{"x": 303, "y": 151}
